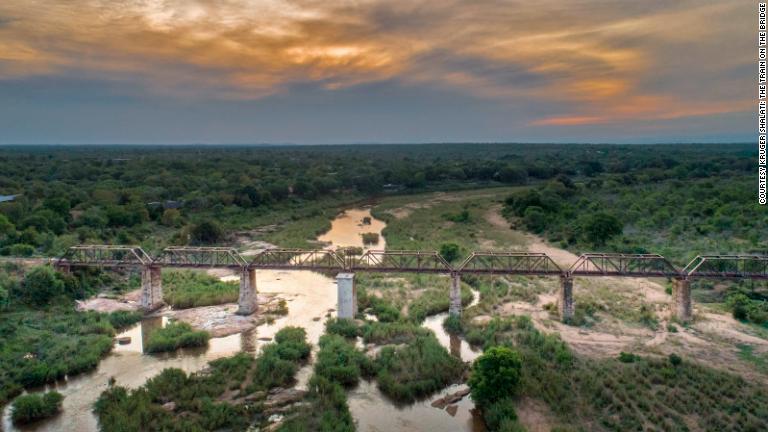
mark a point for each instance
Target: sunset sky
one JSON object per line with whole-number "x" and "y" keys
{"x": 325, "y": 71}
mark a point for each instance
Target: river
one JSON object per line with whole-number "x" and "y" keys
{"x": 310, "y": 297}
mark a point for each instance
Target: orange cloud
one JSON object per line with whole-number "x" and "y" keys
{"x": 599, "y": 62}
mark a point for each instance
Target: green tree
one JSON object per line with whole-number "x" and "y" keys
{"x": 601, "y": 227}
{"x": 171, "y": 218}
{"x": 450, "y": 251}
{"x": 207, "y": 232}
{"x": 6, "y": 227}
{"x": 41, "y": 285}
{"x": 495, "y": 375}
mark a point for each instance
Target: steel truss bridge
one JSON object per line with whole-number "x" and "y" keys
{"x": 490, "y": 263}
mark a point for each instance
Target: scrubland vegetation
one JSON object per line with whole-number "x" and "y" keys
{"x": 187, "y": 289}
{"x": 175, "y": 335}
{"x": 610, "y": 394}
{"x": 33, "y": 407}
{"x": 175, "y": 401}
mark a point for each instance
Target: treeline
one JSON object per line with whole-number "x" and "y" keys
{"x": 624, "y": 213}
{"x": 124, "y": 194}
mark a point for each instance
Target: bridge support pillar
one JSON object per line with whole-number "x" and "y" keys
{"x": 151, "y": 288}
{"x": 248, "y": 301}
{"x": 454, "y": 309}
{"x": 682, "y": 308}
{"x": 565, "y": 299}
{"x": 347, "y": 295}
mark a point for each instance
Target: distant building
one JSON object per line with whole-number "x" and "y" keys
{"x": 5, "y": 198}
{"x": 167, "y": 204}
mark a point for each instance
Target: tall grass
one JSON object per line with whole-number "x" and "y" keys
{"x": 187, "y": 289}
{"x": 174, "y": 336}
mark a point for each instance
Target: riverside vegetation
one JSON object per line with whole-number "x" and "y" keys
{"x": 229, "y": 395}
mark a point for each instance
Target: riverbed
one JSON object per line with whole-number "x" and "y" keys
{"x": 310, "y": 297}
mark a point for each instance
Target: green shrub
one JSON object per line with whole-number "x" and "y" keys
{"x": 628, "y": 357}
{"x": 675, "y": 360}
{"x": 416, "y": 370}
{"x": 342, "y": 327}
{"x": 175, "y": 335}
{"x": 450, "y": 251}
{"x": 495, "y": 375}
{"x": 339, "y": 361}
{"x": 453, "y": 325}
{"x": 31, "y": 407}
{"x": 370, "y": 238}
{"x": 499, "y": 414}
{"x": 123, "y": 319}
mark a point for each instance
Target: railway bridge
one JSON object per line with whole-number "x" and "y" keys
{"x": 345, "y": 265}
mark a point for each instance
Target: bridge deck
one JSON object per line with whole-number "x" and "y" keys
{"x": 490, "y": 263}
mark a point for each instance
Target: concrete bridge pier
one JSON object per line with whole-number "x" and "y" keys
{"x": 455, "y": 306}
{"x": 248, "y": 301}
{"x": 682, "y": 308}
{"x": 347, "y": 295}
{"x": 151, "y": 288}
{"x": 565, "y": 299}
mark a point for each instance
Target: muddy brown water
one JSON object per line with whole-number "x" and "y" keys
{"x": 311, "y": 296}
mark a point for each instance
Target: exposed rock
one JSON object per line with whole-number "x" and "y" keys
{"x": 451, "y": 398}
{"x": 169, "y": 406}
{"x": 283, "y": 397}
{"x": 259, "y": 395}
{"x": 452, "y": 410}
{"x": 481, "y": 320}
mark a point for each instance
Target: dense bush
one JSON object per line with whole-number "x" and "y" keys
{"x": 342, "y": 327}
{"x": 417, "y": 369}
{"x": 495, "y": 375}
{"x": 39, "y": 347}
{"x": 175, "y": 335}
{"x": 31, "y": 407}
{"x": 339, "y": 361}
{"x": 200, "y": 398}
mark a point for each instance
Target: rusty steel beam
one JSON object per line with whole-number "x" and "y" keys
{"x": 628, "y": 265}
{"x": 522, "y": 263}
{"x": 728, "y": 267}
{"x": 400, "y": 262}
{"x": 104, "y": 256}
{"x": 298, "y": 259}
{"x": 200, "y": 257}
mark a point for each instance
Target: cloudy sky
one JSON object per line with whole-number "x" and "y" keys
{"x": 326, "y": 71}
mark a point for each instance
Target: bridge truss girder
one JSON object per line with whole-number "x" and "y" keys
{"x": 297, "y": 259}
{"x": 628, "y": 265}
{"x": 522, "y": 263}
{"x": 104, "y": 256}
{"x": 200, "y": 257}
{"x": 400, "y": 262}
{"x": 728, "y": 267}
